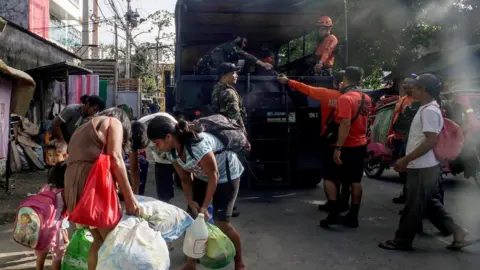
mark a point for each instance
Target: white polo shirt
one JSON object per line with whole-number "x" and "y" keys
{"x": 428, "y": 119}
{"x": 158, "y": 156}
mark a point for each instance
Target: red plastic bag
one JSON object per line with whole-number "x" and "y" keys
{"x": 99, "y": 205}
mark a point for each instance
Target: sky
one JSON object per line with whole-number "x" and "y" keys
{"x": 144, "y": 8}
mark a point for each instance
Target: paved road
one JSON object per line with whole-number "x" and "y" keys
{"x": 282, "y": 232}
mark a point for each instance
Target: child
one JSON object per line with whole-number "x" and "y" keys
{"x": 55, "y": 152}
{"x": 60, "y": 240}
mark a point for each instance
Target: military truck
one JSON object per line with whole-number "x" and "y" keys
{"x": 283, "y": 126}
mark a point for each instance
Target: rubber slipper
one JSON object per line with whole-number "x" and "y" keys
{"x": 392, "y": 245}
{"x": 459, "y": 245}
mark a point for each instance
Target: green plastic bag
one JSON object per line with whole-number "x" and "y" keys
{"x": 76, "y": 255}
{"x": 220, "y": 249}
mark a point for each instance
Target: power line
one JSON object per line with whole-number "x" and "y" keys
{"x": 74, "y": 25}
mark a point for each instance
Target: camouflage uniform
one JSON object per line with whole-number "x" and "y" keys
{"x": 227, "y": 101}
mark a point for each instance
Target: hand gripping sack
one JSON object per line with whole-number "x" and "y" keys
{"x": 76, "y": 255}
{"x": 99, "y": 205}
{"x": 169, "y": 220}
{"x": 38, "y": 219}
{"x": 228, "y": 131}
{"x": 220, "y": 249}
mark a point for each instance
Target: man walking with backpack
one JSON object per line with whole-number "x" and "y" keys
{"x": 226, "y": 100}
{"x": 424, "y": 172}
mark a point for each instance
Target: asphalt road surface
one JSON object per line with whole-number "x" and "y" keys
{"x": 280, "y": 231}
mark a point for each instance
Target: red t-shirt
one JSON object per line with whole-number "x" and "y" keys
{"x": 348, "y": 105}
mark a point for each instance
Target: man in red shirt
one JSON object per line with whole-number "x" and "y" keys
{"x": 328, "y": 101}
{"x": 327, "y": 44}
{"x": 347, "y": 153}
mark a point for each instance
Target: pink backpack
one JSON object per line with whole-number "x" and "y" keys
{"x": 449, "y": 142}
{"x": 37, "y": 220}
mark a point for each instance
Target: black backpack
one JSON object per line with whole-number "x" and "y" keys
{"x": 227, "y": 130}
{"x": 405, "y": 118}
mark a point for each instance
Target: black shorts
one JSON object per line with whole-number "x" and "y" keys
{"x": 223, "y": 200}
{"x": 351, "y": 170}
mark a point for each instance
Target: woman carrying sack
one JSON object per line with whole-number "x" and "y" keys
{"x": 94, "y": 165}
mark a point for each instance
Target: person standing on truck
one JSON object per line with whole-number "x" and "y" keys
{"x": 75, "y": 115}
{"x": 228, "y": 52}
{"x": 328, "y": 101}
{"x": 398, "y": 137}
{"x": 227, "y": 101}
{"x": 327, "y": 43}
{"x": 347, "y": 154}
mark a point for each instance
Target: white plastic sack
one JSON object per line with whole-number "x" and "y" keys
{"x": 169, "y": 220}
{"x": 133, "y": 245}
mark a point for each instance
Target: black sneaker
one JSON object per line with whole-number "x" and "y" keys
{"x": 332, "y": 219}
{"x": 235, "y": 212}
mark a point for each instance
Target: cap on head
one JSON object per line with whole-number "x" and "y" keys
{"x": 226, "y": 68}
{"x": 430, "y": 83}
{"x": 324, "y": 21}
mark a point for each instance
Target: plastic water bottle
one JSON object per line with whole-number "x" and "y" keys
{"x": 210, "y": 212}
{"x": 196, "y": 238}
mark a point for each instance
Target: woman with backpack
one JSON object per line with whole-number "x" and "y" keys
{"x": 216, "y": 173}
{"x": 109, "y": 133}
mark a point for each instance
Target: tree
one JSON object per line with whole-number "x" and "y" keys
{"x": 144, "y": 55}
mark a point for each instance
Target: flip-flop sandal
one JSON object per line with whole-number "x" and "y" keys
{"x": 392, "y": 245}
{"x": 459, "y": 245}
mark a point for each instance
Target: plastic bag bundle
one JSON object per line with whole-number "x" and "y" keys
{"x": 133, "y": 245}
{"x": 76, "y": 255}
{"x": 169, "y": 220}
{"x": 220, "y": 249}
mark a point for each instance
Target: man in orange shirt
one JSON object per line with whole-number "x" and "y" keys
{"x": 399, "y": 139}
{"x": 328, "y": 101}
{"x": 325, "y": 51}
{"x": 347, "y": 154}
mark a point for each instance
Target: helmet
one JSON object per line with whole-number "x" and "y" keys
{"x": 325, "y": 21}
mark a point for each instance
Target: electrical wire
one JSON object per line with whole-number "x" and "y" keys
{"x": 75, "y": 25}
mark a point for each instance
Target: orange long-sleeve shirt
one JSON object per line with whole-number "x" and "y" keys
{"x": 400, "y": 106}
{"x": 326, "y": 97}
{"x": 325, "y": 51}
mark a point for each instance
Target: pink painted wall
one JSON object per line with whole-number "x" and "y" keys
{"x": 39, "y": 17}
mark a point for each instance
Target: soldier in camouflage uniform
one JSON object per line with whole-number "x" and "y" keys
{"x": 228, "y": 52}
{"x": 225, "y": 99}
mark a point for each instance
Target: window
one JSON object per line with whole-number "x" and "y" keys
{"x": 297, "y": 48}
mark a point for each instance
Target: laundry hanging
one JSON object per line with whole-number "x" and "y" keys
{"x": 79, "y": 85}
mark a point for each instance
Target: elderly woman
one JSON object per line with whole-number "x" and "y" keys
{"x": 85, "y": 147}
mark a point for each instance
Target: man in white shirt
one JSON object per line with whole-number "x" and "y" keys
{"x": 163, "y": 167}
{"x": 423, "y": 172}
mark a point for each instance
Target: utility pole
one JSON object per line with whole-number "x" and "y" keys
{"x": 115, "y": 87}
{"x": 96, "y": 18}
{"x": 85, "y": 31}
{"x": 128, "y": 33}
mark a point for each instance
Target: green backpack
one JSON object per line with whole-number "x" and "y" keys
{"x": 76, "y": 255}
